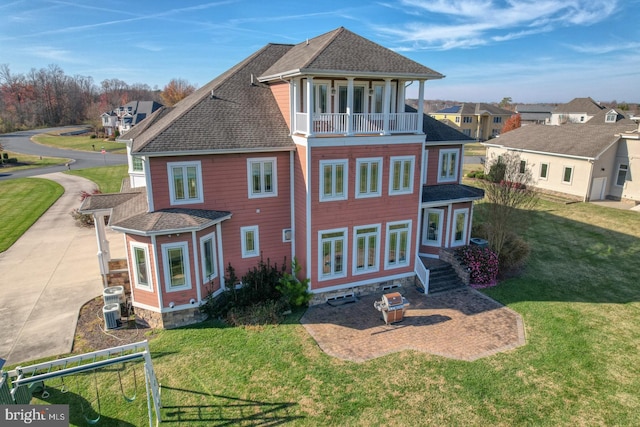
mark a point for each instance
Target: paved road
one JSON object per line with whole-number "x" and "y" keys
{"x": 20, "y": 142}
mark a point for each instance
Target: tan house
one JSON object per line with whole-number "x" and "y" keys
{"x": 592, "y": 161}
{"x": 479, "y": 120}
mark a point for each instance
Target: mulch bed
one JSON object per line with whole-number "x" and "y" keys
{"x": 91, "y": 334}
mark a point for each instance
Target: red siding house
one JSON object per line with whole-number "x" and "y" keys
{"x": 301, "y": 151}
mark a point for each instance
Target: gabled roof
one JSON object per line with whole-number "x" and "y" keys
{"x": 343, "y": 53}
{"x": 474, "y": 109}
{"x": 579, "y": 105}
{"x": 599, "y": 118}
{"x": 239, "y": 116}
{"x": 572, "y": 139}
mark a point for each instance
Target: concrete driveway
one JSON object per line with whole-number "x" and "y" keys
{"x": 46, "y": 277}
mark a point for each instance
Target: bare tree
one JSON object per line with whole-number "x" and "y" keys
{"x": 507, "y": 190}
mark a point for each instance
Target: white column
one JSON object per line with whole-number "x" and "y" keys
{"x": 349, "y": 105}
{"x": 420, "y": 106}
{"x": 310, "y": 103}
{"x": 103, "y": 244}
{"x": 385, "y": 108}
{"x": 293, "y": 103}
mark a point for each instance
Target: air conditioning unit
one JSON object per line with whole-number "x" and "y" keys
{"x": 113, "y": 294}
{"x": 111, "y": 313}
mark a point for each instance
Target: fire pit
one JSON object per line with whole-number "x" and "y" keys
{"x": 392, "y": 307}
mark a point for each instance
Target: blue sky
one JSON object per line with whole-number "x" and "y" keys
{"x": 529, "y": 50}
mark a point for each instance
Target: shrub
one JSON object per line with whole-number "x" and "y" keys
{"x": 262, "y": 313}
{"x": 497, "y": 171}
{"x": 482, "y": 263}
{"x": 294, "y": 292}
{"x": 514, "y": 254}
{"x": 82, "y": 219}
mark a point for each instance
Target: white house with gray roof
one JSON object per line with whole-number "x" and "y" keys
{"x": 596, "y": 160}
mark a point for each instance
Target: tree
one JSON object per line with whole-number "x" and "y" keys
{"x": 506, "y": 102}
{"x": 175, "y": 91}
{"x": 507, "y": 190}
{"x": 513, "y": 122}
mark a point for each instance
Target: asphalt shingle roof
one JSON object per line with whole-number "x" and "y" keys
{"x": 579, "y": 105}
{"x": 170, "y": 220}
{"x": 240, "y": 115}
{"x": 342, "y": 52}
{"x": 587, "y": 140}
{"x": 444, "y": 192}
{"x": 471, "y": 109}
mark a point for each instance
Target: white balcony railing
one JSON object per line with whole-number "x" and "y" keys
{"x": 359, "y": 123}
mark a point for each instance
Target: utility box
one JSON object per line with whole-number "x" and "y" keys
{"x": 476, "y": 241}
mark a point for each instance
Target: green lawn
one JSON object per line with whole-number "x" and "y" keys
{"x": 109, "y": 179}
{"x": 475, "y": 149}
{"x": 22, "y": 202}
{"x": 80, "y": 142}
{"x": 29, "y": 162}
{"x": 580, "y": 299}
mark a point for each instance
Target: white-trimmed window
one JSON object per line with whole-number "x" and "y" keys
{"x": 397, "y": 244}
{"x": 176, "y": 266}
{"x": 467, "y": 119}
{"x": 448, "y": 165}
{"x": 401, "y": 175}
{"x": 432, "y": 227}
{"x": 185, "y": 182}
{"x": 141, "y": 267}
{"x": 359, "y": 99}
{"x": 208, "y": 257}
{"x": 137, "y": 165}
{"x": 262, "y": 177}
{"x": 332, "y": 249}
{"x": 611, "y": 117}
{"x": 544, "y": 171}
{"x": 250, "y": 241}
{"x": 366, "y": 248}
{"x": 497, "y": 119}
{"x": 622, "y": 174}
{"x": 460, "y": 221}
{"x": 567, "y": 174}
{"x": 368, "y": 177}
{"x": 333, "y": 180}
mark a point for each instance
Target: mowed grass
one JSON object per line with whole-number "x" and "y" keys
{"x": 80, "y": 142}
{"x": 108, "y": 179}
{"x": 29, "y": 162}
{"x": 22, "y": 202}
{"x": 579, "y": 296}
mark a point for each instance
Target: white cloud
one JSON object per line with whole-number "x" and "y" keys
{"x": 468, "y": 23}
{"x": 603, "y": 49}
{"x": 52, "y": 54}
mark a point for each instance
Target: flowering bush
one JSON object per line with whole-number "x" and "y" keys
{"x": 482, "y": 263}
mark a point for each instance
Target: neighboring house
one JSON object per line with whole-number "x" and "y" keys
{"x": 299, "y": 151}
{"x": 127, "y": 116}
{"x": 591, "y": 161}
{"x": 479, "y": 121}
{"x": 579, "y": 110}
{"x": 538, "y": 114}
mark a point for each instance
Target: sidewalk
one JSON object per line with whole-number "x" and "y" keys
{"x": 47, "y": 275}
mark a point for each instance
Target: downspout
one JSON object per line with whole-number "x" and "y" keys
{"x": 293, "y": 210}
{"x": 199, "y": 280}
{"x": 589, "y": 183}
{"x": 154, "y": 243}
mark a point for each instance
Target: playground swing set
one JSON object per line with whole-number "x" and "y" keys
{"x": 19, "y": 385}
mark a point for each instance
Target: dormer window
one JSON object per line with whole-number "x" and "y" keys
{"x": 611, "y": 117}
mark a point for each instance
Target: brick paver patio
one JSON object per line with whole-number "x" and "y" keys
{"x": 460, "y": 324}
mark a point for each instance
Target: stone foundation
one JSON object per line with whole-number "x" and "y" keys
{"x": 118, "y": 274}
{"x": 358, "y": 291}
{"x": 169, "y": 320}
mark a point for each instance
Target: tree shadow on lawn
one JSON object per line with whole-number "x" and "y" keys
{"x": 220, "y": 410}
{"x": 574, "y": 261}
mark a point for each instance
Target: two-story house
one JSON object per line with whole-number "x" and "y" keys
{"x": 578, "y": 110}
{"x": 127, "y": 116}
{"x": 300, "y": 151}
{"x": 479, "y": 121}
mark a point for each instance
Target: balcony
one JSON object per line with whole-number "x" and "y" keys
{"x": 356, "y": 124}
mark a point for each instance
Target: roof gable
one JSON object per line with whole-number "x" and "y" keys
{"x": 579, "y": 105}
{"x": 341, "y": 52}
